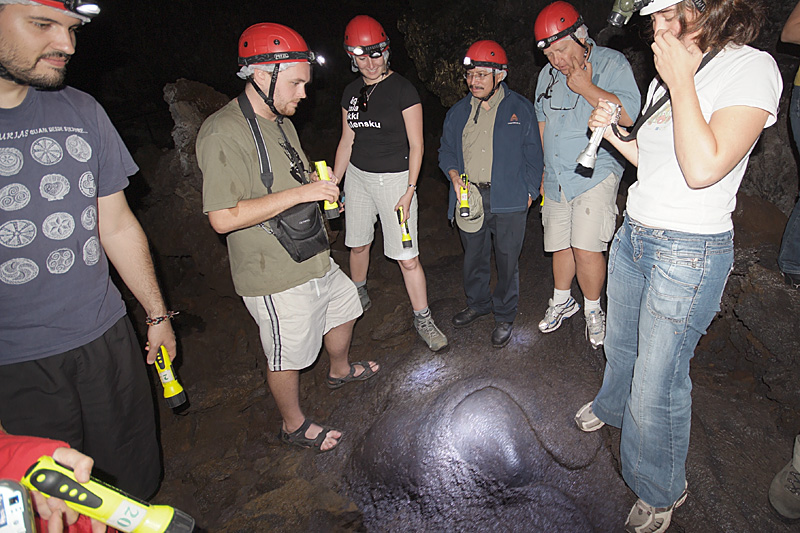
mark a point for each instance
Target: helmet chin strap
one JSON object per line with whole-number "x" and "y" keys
{"x": 486, "y": 98}
{"x": 269, "y": 100}
{"x": 583, "y": 45}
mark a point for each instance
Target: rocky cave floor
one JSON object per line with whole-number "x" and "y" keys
{"x": 470, "y": 438}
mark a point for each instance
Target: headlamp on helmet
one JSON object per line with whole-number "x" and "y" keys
{"x": 555, "y": 21}
{"x": 82, "y": 9}
{"x": 364, "y": 36}
{"x": 87, "y": 9}
{"x": 623, "y": 9}
{"x": 373, "y": 50}
{"x": 268, "y": 43}
{"x": 486, "y": 54}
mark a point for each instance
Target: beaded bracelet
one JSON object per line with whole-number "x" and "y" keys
{"x": 159, "y": 319}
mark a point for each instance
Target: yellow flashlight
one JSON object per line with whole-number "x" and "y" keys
{"x": 331, "y": 208}
{"x": 103, "y": 502}
{"x": 173, "y": 392}
{"x": 404, "y": 228}
{"x": 463, "y": 207}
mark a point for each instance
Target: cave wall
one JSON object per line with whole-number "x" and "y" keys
{"x": 436, "y": 37}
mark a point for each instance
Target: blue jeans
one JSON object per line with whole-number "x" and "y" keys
{"x": 789, "y": 256}
{"x": 664, "y": 288}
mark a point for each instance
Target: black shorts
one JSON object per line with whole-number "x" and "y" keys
{"x": 98, "y": 399}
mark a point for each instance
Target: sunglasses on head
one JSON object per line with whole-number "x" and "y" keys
{"x": 363, "y": 98}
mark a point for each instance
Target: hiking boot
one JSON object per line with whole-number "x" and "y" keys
{"x": 586, "y": 419}
{"x": 784, "y": 492}
{"x": 364, "y": 297}
{"x": 596, "y": 327}
{"x": 645, "y": 518}
{"x": 432, "y": 335}
{"x": 557, "y": 313}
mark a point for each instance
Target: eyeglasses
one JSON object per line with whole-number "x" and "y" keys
{"x": 478, "y": 76}
{"x": 365, "y": 93}
{"x": 548, "y": 93}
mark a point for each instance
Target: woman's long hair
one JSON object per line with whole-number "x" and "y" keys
{"x": 722, "y": 22}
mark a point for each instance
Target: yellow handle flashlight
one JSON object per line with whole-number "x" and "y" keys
{"x": 331, "y": 208}
{"x": 463, "y": 207}
{"x": 173, "y": 392}
{"x": 103, "y": 502}
{"x": 404, "y": 228}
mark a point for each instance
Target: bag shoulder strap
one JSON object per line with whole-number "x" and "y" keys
{"x": 647, "y": 113}
{"x": 267, "y": 177}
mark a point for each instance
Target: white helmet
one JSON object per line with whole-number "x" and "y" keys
{"x": 657, "y": 5}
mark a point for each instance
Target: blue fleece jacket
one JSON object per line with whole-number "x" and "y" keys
{"x": 516, "y": 148}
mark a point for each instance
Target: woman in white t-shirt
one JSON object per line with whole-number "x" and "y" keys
{"x": 670, "y": 260}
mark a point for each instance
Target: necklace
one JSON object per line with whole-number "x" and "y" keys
{"x": 366, "y": 92}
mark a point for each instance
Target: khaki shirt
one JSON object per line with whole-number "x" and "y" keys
{"x": 477, "y": 139}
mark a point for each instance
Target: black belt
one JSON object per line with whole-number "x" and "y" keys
{"x": 485, "y": 185}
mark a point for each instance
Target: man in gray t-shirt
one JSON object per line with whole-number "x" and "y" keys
{"x": 70, "y": 365}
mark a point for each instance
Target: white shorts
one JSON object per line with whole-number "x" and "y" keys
{"x": 293, "y": 322}
{"x": 369, "y": 195}
{"x": 587, "y": 222}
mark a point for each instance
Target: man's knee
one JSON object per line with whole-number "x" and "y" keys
{"x": 586, "y": 256}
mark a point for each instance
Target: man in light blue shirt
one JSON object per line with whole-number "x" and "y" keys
{"x": 579, "y": 212}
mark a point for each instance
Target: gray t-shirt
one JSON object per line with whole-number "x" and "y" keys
{"x": 59, "y": 152}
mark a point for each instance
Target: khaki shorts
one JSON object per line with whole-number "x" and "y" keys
{"x": 587, "y": 222}
{"x": 369, "y": 195}
{"x": 293, "y": 322}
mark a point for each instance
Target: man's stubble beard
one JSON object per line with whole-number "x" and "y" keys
{"x": 27, "y": 76}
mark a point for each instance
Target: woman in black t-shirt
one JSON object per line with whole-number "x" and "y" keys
{"x": 381, "y": 152}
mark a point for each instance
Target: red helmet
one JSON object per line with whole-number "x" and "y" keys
{"x": 555, "y": 21}
{"x": 83, "y": 10}
{"x": 365, "y": 35}
{"x": 486, "y": 54}
{"x": 272, "y": 43}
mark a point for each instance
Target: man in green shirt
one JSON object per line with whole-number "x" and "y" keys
{"x": 297, "y": 305}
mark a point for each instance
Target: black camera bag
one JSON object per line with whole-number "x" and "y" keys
{"x": 299, "y": 229}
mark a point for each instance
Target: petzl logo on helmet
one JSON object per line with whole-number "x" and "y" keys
{"x": 280, "y": 56}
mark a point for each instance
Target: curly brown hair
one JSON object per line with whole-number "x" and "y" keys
{"x": 722, "y": 22}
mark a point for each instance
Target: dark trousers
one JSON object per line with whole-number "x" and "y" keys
{"x": 505, "y": 231}
{"x": 98, "y": 399}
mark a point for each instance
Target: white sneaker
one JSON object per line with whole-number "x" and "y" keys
{"x": 586, "y": 419}
{"x": 645, "y": 518}
{"x": 596, "y": 327}
{"x": 556, "y": 314}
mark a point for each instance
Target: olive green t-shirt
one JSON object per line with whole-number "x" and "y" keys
{"x": 226, "y": 153}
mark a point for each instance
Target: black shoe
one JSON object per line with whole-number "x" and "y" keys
{"x": 466, "y": 317}
{"x": 502, "y": 334}
{"x": 792, "y": 280}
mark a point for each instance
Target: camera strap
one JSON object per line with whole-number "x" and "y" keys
{"x": 267, "y": 177}
{"x": 650, "y": 111}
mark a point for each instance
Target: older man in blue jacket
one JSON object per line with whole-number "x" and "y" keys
{"x": 492, "y": 136}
